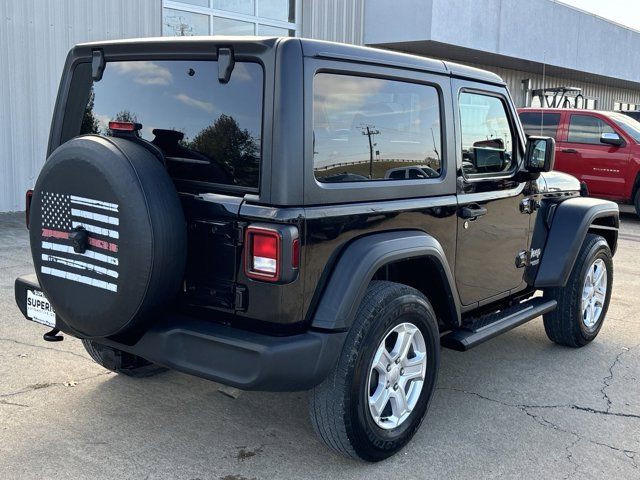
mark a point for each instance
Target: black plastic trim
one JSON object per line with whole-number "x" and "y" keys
{"x": 359, "y": 262}
{"x": 240, "y": 358}
{"x": 571, "y": 221}
{"x": 494, "y": 324}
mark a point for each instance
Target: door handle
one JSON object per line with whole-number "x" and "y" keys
{"x": 472, "y": 212}
{"x": 569, "y": 150}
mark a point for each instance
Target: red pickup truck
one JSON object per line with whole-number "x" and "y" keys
{"x": 601, "y": 149}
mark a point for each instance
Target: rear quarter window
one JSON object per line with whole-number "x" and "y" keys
{"x": 208, "y": 131}
{"x": 367, "y": 129}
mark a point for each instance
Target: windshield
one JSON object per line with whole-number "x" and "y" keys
{"x": 628, "y": 124}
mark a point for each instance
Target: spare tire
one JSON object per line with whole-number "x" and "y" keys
{"x": 108, "y": 234}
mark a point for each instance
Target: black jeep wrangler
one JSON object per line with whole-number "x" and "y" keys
{"x": 289, "y": 214}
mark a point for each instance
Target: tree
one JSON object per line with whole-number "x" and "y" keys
{"x": 126, "y": 116}
{"x": 90, "y": 123}
{"x": 232, "y": 147}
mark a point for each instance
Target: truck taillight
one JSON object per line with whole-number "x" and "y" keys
{"x": 263, "y": 247}
{"x": 27, "y": 205}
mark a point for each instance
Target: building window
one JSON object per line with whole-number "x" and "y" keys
{"x": 230, "y": 17}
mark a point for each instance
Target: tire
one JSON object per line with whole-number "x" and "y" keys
{"x": 339, "y": 406}
{"x": 120, "y": 362}
{"x": 568, "y": 324}
{"x": 108, "y": 235}
{"x": 636, "y": 202}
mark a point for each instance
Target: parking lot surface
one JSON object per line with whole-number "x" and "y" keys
{"x": 515, "y": 407}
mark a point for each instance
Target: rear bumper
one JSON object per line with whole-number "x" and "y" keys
{"x": 240, "y": 358}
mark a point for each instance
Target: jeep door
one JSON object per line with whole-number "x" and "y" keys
{"x": 492, "y": 232}
{"x": 603, "y": 167}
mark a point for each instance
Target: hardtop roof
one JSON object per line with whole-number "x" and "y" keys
{"x": 316, "y": 48}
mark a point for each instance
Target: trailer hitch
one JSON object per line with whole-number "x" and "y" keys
{"x": 52, "y": 336}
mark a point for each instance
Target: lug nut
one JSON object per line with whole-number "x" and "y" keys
{"x": 402, "y": 371}
{"x": 397, "y": 360}
{"x": 395, "y": 387}
{"x": 388, "y": 368}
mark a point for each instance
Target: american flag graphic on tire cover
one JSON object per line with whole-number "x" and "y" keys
{"x": 98, "y": 265}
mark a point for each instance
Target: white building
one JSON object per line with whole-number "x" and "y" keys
{"x": 532, "y": 44}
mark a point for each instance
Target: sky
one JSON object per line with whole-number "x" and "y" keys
{"x": 624, "y": 12}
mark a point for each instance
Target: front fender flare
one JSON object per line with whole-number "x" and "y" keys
{"x": 350, "y": 277}
{"x": 569, "y": 227}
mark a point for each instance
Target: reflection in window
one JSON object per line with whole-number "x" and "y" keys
{"x": 178, "y": 23}
{"x": 487, "y": 140}
{"x": 208, "y": 131}
{"x": 540, "y": 123}
{"x": 373, "y": 129}
{"x": 238, "y": 6}
{"x": 587, "y": 129}
{"x": 230, "y": 17}
{"x": 283, "y": 10}
{"x": 227, "y": 26}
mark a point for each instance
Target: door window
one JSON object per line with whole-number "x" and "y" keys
{"x": 367, "y": 129}
{"x": 487, "y": 137}
{"x": 587, "y": 129}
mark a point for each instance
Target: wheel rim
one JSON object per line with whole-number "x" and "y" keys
{"x": 594, "y": 293}
{"x": 396, "y": 376}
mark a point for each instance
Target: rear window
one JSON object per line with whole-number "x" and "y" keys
{"x": 538, "y": 123}
{"x": 209, "y": 131}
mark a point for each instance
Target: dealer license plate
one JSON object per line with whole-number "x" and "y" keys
{"x": 39, "y": 309}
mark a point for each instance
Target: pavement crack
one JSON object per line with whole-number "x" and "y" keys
{"x": 14, "y": 404}
{"x": 43, "y": 347}
{"x": 43, "y": 385}
{"x": 526, "y": 409}
{"x": 606, "y": 381}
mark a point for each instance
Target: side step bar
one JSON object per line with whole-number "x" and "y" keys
{"x": 488, "y": 326}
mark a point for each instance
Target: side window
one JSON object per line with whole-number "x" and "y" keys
{"x": 587, "y": 129}
{"x": 539, "y": 123}
{"x": 368, "y": 129}
{"x": 487, "y": 138}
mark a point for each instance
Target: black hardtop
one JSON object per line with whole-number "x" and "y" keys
{"x": 310, "y": 48}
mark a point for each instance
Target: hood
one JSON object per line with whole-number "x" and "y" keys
{"x": 559, "y": 182}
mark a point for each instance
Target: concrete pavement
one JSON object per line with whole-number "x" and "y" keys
{"x": 515, "y": 407}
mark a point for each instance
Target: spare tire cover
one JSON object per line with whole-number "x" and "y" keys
{"x": 120, "y": 195}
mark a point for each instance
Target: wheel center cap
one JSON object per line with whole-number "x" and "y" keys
{"x": 394, "y": 374}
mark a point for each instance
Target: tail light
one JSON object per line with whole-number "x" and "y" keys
{"x": 124, "y": 126}
{"x": 272, "y": 253}
{"x": 263, "y": 254}
{"x": 27, "y": 204}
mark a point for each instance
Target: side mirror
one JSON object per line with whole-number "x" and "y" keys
{"x": 611, "y": 139}
{"x": 540, "y": 155}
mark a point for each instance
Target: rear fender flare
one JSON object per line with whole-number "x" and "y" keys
{"x": 571, "y": 221}
{"x": 351, "y": 275}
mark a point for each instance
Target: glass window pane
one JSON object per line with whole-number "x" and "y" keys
{"x": 227, "y": 26}
{"x": 269, "y": 31}
{"x": 238, "y": 6}
{"x": 277, "y": 9}
{"x": 587, "y": 129}
{"x": 373, "y": 129}
{"x": 208, "y": 131}
{"x": 538, "y": 123}
{"x": 199, "y": 3}
{"x": 182, "y": 24}
{"x": 487, "y": 139}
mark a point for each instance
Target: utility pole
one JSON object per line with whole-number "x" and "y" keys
{"x": 370, "y": 131}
